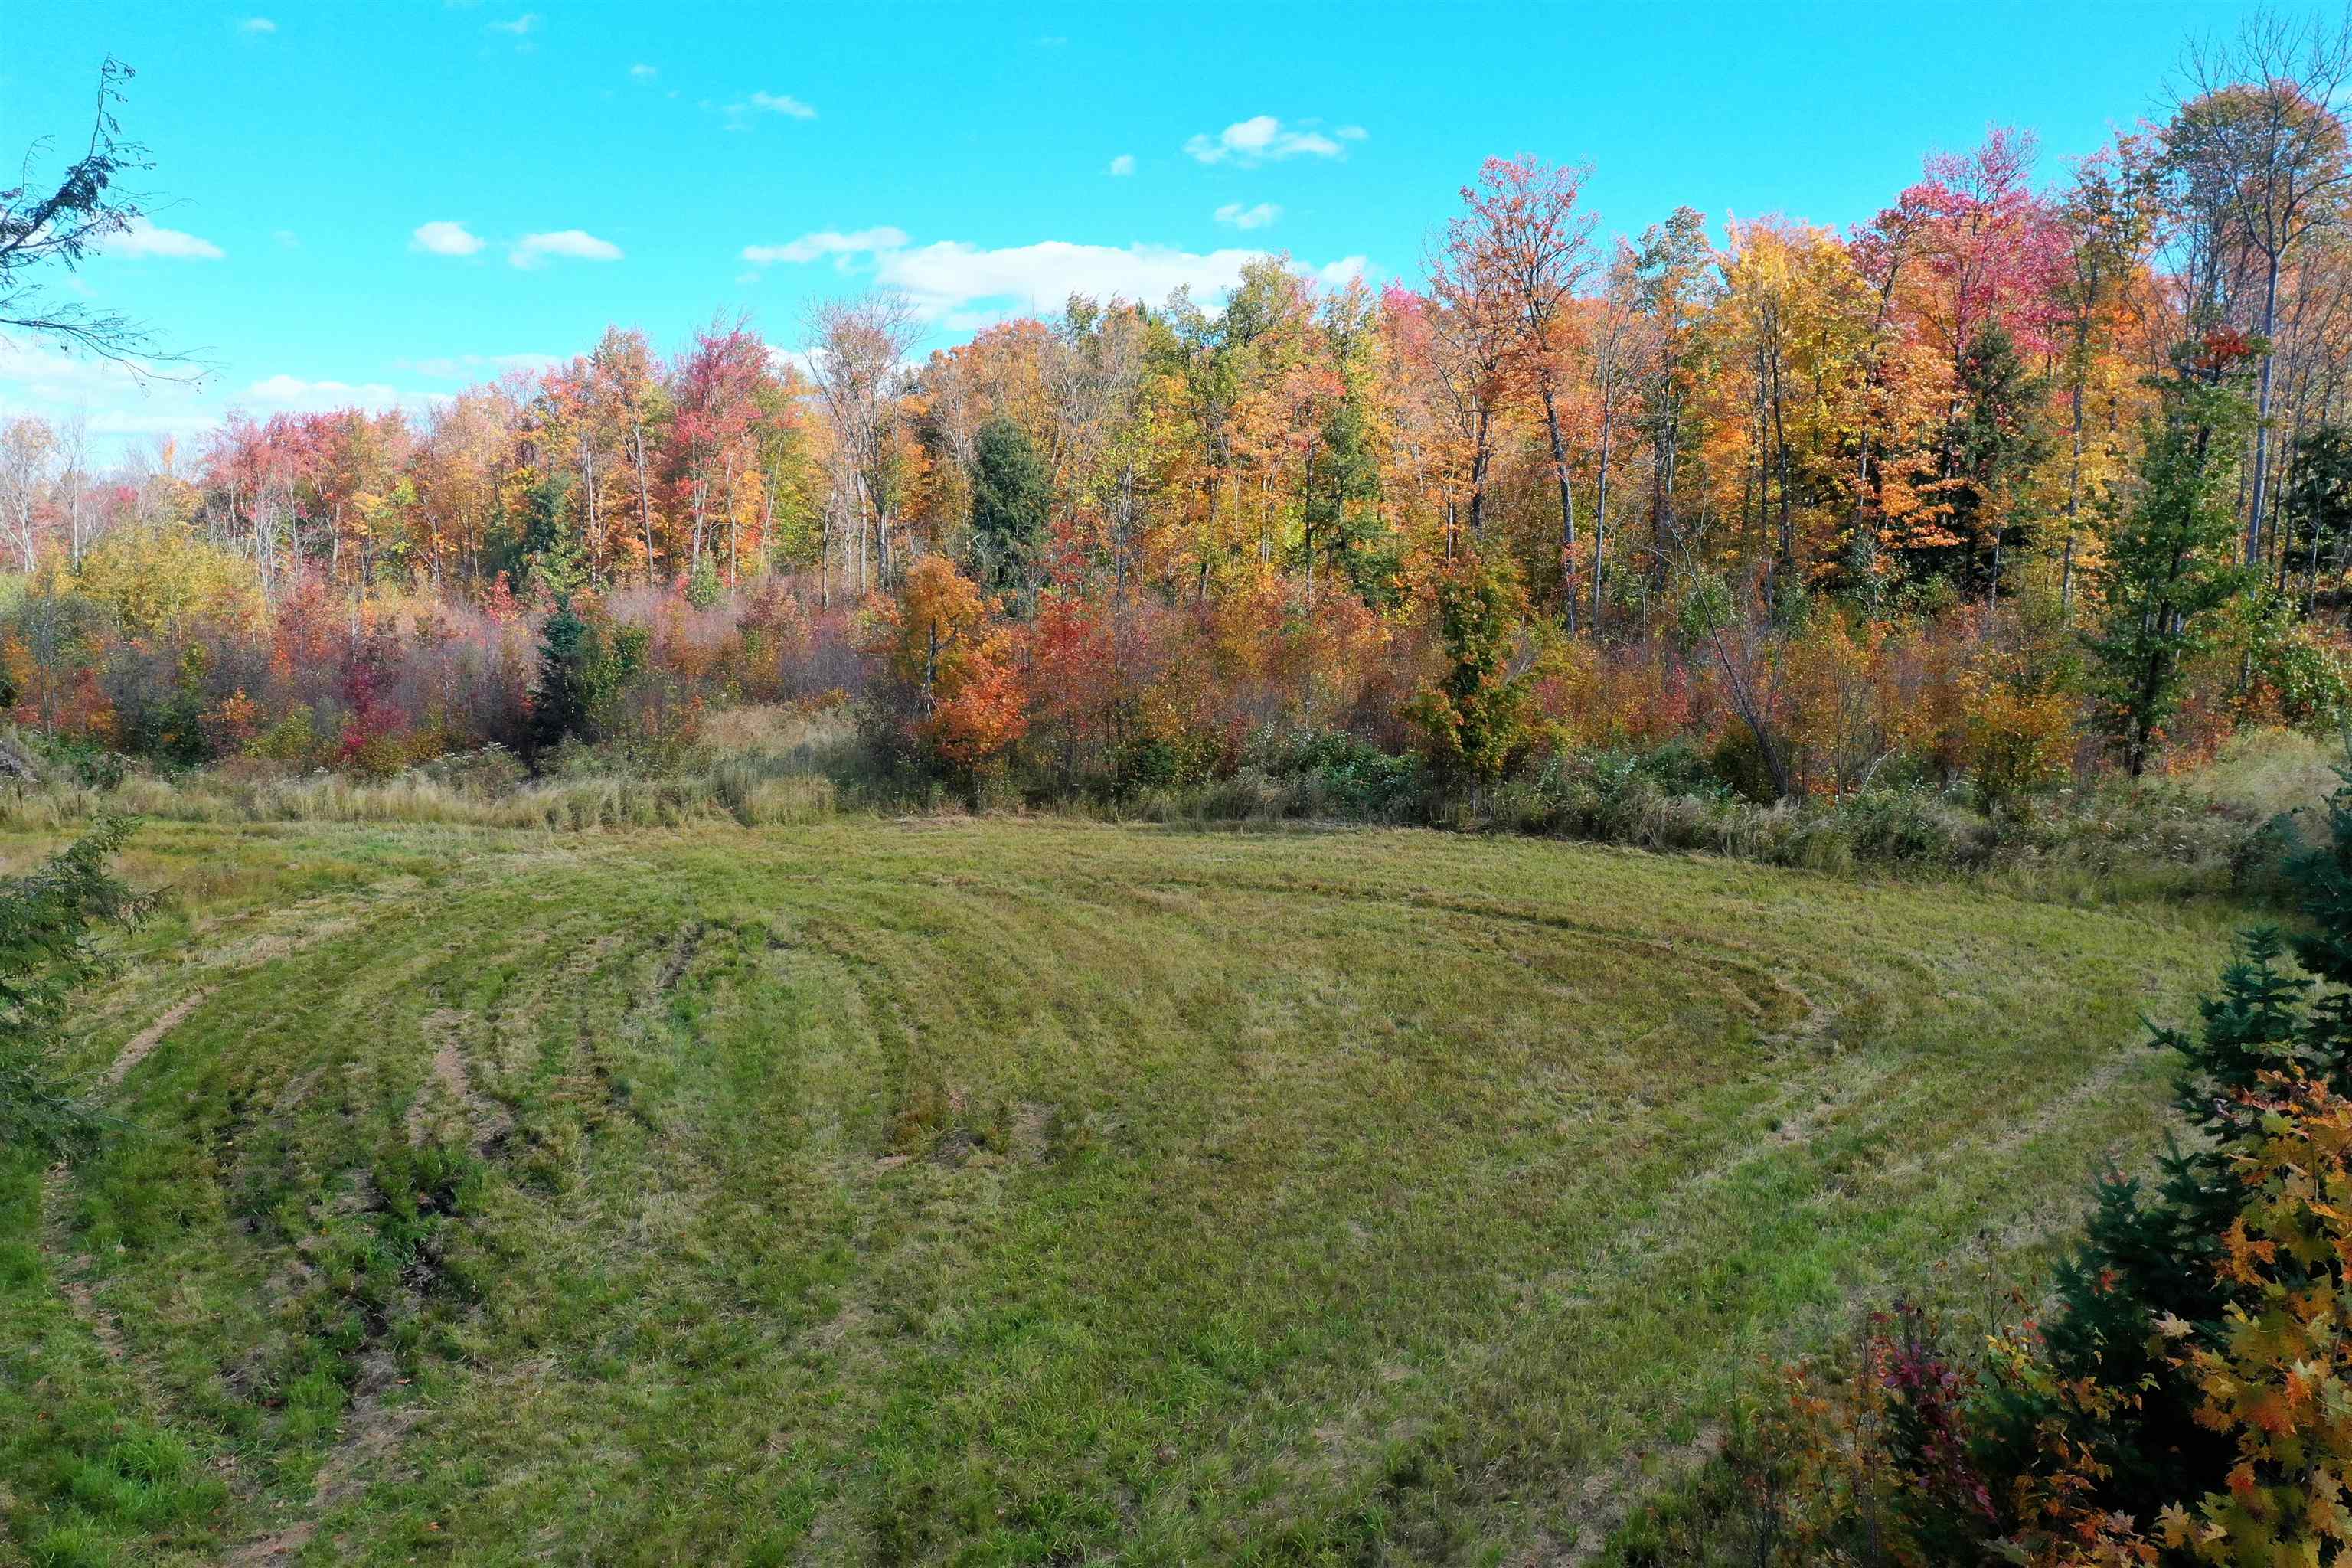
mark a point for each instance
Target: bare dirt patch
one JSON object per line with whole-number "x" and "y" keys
{"x": 451, "y": 1091}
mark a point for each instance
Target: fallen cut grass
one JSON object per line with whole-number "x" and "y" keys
{"x": 998, "y": 1192}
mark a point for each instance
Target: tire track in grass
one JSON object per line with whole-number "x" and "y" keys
{"x": 1823, "y": 1176}
{"x": 139, "y": 1046}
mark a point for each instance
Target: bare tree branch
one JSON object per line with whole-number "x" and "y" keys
{"x": 47, "y": 229}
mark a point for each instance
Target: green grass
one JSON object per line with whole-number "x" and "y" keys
{"x": 1000, "y": 1192}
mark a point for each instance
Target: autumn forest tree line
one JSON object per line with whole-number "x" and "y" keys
{"x": 2043, "y": 472}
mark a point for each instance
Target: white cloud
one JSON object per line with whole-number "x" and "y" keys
{"x": 572, "y": 244}
{"x": 256, "y": 25}
{"x": 119, "y": 408}
{"x": 122, "y": 411}
{"x": 122, "y": 423}
{"x": 827, "y": 242}
{"x": 287, "y": 238}
{"x": 1352, "y": 133}
{"x": 945, "y": 279}
{"x": 146, "y": 239}
{"x": 443, "y": 237}
{"x": 1262, "y": 139}
{"x": 782, "y": 103}
{"x": 1340, "y": 273}
{"x": 1123, "y": 164}
{"x": 1240, "y": 216}
{"x": 525, "y": 24}
{"x": 293, "y": 393}
{"x": 115, "y": 407}
{"x": 963, "y": 287}
{"x": 48, "y": 376}
{"x": 800, "y": 362}
{"x": 644, "y": 73}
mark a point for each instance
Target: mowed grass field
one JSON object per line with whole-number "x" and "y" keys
{"x": 1000, "y": 1191}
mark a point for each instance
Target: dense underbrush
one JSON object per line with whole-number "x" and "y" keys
{"x": 2212, "y": 831}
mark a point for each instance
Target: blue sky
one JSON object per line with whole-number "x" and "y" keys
{"x": 382, "y": 201}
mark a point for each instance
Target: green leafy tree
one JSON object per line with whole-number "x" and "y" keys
{"x": 581, "y": 673}
{"x": 1342, "y": 525}
{"x": 1474, "y": 718}
{"x": 2169, "y": 567}
{"x": 1011, "y": 495}
{"x": 48, "y": 954}
{"x": 703, "y": 588}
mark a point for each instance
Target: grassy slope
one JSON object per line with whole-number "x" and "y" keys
{"x": 1008, "y": 1191}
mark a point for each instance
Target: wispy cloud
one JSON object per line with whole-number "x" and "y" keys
{"x": 644, "y": 72}
{"x": 1263, "y": 138}
{"x": 444, "y": 237}
{"x": 827, "y": 242}
{"x": 148, "y": 240}
{"x": 963, "y": 287}
{"x": 568, "y": 244}
{"x": 291, "y": 391}
{"x": 1123, "y": 164}
{"x": 740, "y": 115}
{"x": 1240, "y": 217}
{"x": 257, "y": 26}
{"x": 521, "y": 27}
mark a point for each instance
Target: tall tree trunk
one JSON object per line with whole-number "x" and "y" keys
{"x": 1662, "y": 469}
{"x": 2073, "y": 506}
{"x": 731, "y": 524}
{"x": 1478, "y": 457}
{"x": 588, "y": 538}
{"x": 1787, "y": 531}
{"x": 2262, "y": 412}
{"x": 1600, "y": 504}
{"x": 1566, "y": 506}
{"x": 824, "y": 556}
{"x": 701, "y": 488}
{"x": 644, "y": 502}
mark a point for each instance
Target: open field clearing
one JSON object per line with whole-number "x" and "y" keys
{"x": 986, "y": 1191}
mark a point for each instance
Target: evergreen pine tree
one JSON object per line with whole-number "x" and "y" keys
{"x": 562, "y": 700}
{"x": 1999, "y": 437}
{"x": 48, "y": 917}
{"x": 2170, "y": 564}
{"x": 1010, "y": 494}
{"x": 2147, "y": 1254}
{"x": 550, "y": 554}
{"x": 2319, "y": 503}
